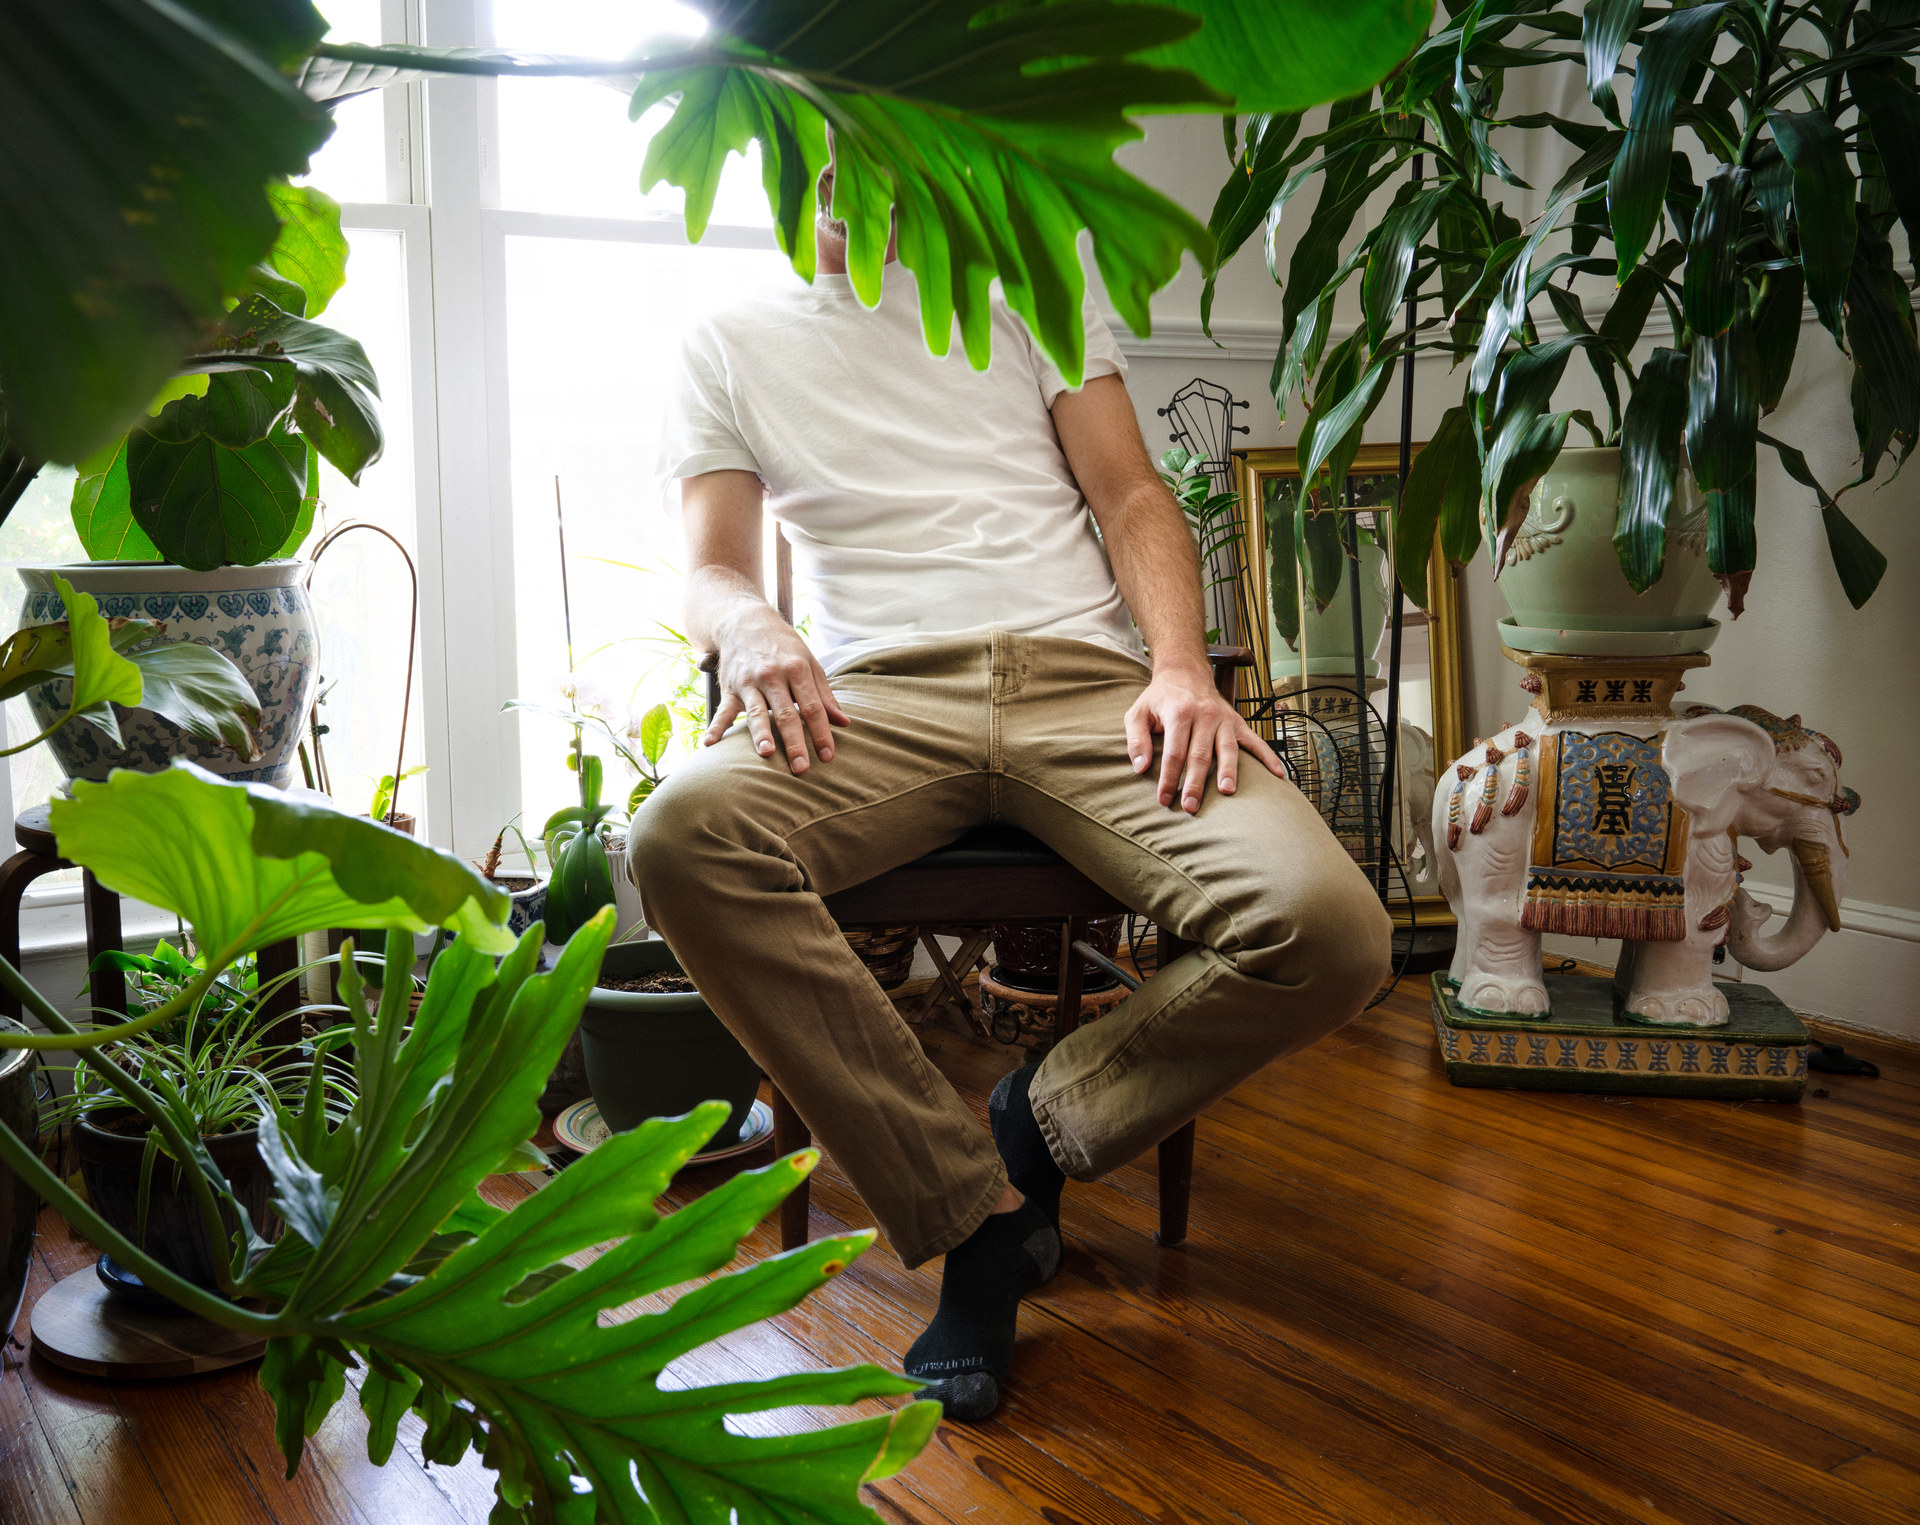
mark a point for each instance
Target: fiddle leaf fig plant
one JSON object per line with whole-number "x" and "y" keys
{"x": 487, "y": 1324}
{"x": 1801, "y": 119}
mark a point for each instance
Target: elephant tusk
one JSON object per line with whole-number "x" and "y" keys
{"x": 1818, "y": 872}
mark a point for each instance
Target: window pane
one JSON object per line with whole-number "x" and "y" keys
{"x": 38, "y": 531}
{"x": 566, "y": 146}
{"x": 589, "y": 414}
{"x": 352, "y": 164}
{"x": 361, "y": 591}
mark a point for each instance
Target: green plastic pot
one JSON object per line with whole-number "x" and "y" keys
{"x": 660, "y": 1055}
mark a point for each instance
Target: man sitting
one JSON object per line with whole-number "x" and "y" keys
{"x": 975, "y": 661}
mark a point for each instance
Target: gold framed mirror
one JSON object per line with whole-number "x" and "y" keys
{"x": 1309, "y": 689}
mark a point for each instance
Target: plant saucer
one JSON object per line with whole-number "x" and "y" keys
{"x": 581, "y": 1128}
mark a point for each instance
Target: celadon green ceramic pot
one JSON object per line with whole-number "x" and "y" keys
{"x": 660, "y": 1055}
{"x": 1326, "y": 636}
{"x": 1563, "y": 581}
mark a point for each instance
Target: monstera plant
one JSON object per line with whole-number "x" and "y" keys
{"x": 476, "y": 1319}
{"x": 1805, "y": 118}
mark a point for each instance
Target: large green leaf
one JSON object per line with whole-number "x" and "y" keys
{"x": 1242, "y": 205}
{"x": 1390, "y": 261}
{"x": 475, "y": 1320}
{"x": 1525, "y": 440}
{"x": 1776, "y": 332}
{"x": 1605, "y": 27}
{"x": 1723, "y": 406}
{"x": 1650, "y": 434}
{"x": 992, "y": 166}
{"x": 1283, "y": 559}
{"x": 1713, "y": 286}
{"x": 1880, "y": 330}
{"x": 1443, "y": 484}
{"x": 335, "y": 388}
{"x": 1890, "y": 103}
{"x": 1639, "y": 181}
{"x": 136, "y": 144}
{"x": 200, "y": 691}
{"x": 1823, "y": 207}
{"x": 103, "y": 508}
{"x": 1859, "y": 562}
{"x": 311, "y": 250}
{"x": 80, "y": 647}
{"x": 206, "y": 505}
{"x": 246, "y": 865}
{"x": 1287, "y": 56}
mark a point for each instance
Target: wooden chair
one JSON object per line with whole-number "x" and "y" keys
{"x": 989, "y": 874}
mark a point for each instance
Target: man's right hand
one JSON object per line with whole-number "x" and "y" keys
{"x": 768, "y": 674}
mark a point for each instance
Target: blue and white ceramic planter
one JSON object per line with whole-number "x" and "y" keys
{"x": 525, "y": 907}
{"x": 258, "y": 617}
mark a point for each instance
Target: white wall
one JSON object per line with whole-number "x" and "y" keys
{"x": 1800, "y": 647}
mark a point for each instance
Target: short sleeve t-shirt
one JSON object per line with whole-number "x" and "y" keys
{"x": 924, "y": 500}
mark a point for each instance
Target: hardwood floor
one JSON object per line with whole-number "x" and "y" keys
{"x": 1400, "y": 1302}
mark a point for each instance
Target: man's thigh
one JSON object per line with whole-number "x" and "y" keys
{"x": 1233, "y": 877}
{"x": 906, "y": 777}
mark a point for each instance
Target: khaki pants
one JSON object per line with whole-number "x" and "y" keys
{"x": 733, "y": 853}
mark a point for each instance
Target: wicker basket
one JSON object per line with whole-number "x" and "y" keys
{"x": 886, "y": 951}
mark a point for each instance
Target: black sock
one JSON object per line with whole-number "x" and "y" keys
{"x": 1017, "y": 1135}
{"x": 967, "y": 1350}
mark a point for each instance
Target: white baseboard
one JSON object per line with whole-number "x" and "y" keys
{"x": 1865, "y": 976}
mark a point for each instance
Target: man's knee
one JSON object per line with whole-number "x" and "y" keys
{"x": 678, "y": 836}
{"x": 1333, "y": 944}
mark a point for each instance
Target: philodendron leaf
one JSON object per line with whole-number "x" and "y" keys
{"x": 991, "y": 144}
{"x": 80, "y": 647}
{"x": 1285, "y": 57}
{"x": 143, "y": 140}
{"x": 247, "y": 865}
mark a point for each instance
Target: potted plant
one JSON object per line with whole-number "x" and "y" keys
{"x": 195, "y": 515}
{"x": 216, "y": 1074}
{"x": 526, "y": 893}
{"x": 1810, "y": 133}
{"x": 654, "y": 1048}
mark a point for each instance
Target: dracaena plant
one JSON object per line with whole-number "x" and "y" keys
{"x": 484, "y": 1323}
{"x": 1803, "y": 120}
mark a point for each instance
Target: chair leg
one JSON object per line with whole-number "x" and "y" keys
{"x": 1066, "y": 1015}
{"x": 1176, "y": 1150}
{"x": 16, "y": 874}
{"x": 789, "y": 1134}
{"x": 1176, "y": 1185}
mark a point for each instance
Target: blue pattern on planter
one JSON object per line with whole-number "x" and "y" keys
{"x": 120, "y": 606}
{"x": 275, "y": 646}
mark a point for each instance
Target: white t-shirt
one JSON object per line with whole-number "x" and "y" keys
{"x": 923, "y": 499}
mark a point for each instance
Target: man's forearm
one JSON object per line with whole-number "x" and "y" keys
{"x": 1157, "y": 567}
{"x": 717, "y": 600}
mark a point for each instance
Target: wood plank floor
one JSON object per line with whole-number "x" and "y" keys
{"x": 1400, "y": 1302}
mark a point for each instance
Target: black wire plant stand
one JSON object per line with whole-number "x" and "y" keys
{"x": 1338, "y": 748}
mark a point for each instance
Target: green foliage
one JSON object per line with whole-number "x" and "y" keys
{"x": 1799, "y": 107}
{"x": 137, "y": 143}
{"x": 1286, "y": 57}
{"x": 384, "y": 788}
{"x": 477, "y": 1320}
{"x": 247, "y": 865}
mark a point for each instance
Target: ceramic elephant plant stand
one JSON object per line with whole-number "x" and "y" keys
{"x": 1609, "y": 814}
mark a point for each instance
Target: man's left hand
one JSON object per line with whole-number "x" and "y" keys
{"x": 1201, "y": 731}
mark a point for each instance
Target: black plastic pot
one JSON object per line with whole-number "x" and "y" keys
{"x": 19, "y": 1202}
{"x": 174, "y": 1233}
{"x": 660, "y": 1055}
